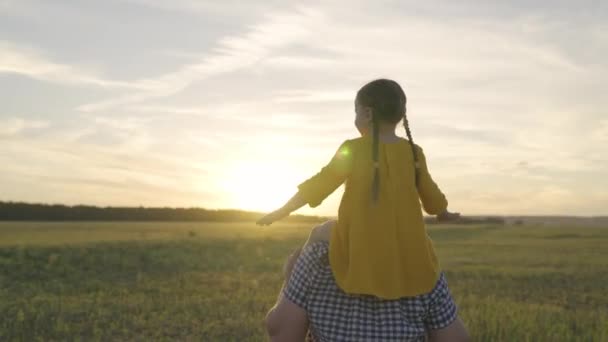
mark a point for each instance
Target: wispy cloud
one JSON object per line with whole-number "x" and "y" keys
{"x": 41, "y": 163}
{"x": 225, "y": 8}
{"x": 14, "y": 126}
{"x": 30, "y": 63}
{"x": 230, "y": 54}
{"x": 315, "y": 96}
{"x": 600, "y": 133}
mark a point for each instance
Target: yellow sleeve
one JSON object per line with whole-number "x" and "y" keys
{"x": 315, "y": 189}
{"x": 433, "y": 200}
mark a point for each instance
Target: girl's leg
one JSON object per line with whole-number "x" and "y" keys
{"x": 321, "y": 232}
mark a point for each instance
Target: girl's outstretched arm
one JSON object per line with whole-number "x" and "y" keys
{"x": 314, "y": 190}
{"x": 433, "y": 200}
{"x": 295, "y": 203}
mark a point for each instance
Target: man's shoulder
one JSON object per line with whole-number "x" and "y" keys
{"x": 310, "y": 266}
{"x": 315, "y": 255}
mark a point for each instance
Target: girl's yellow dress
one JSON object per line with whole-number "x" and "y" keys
{"x": 380, "y": 249}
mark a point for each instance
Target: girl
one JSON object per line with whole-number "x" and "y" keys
{"x": 378, "y": 245}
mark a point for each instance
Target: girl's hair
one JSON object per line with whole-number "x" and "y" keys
{"x": 388, "y": 103}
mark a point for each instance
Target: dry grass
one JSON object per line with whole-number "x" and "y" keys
{"x": 214, "y": 282}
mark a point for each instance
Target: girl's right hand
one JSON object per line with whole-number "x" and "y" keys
{"x": 272, "y": 217}
{"x": 447, "y": 216}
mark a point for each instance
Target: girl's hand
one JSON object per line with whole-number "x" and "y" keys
{"x": 447, "y": 216}
{"x": 272, "y": 217}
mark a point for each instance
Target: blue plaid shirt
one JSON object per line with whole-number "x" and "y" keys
{"x": 337, "y": 316}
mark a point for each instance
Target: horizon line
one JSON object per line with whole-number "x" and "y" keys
{"x": 605, "y": 216}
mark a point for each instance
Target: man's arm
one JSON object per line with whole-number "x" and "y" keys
{"x": 286, "y": 321}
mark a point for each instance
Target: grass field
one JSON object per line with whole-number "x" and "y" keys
{"x": 215, "y": 282}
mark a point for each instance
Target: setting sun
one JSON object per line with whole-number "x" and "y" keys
{"x": 259, "y": 185}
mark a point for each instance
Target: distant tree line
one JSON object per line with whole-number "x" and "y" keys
{"x": 471, "y": 220}
{"x": 18, "y": 211}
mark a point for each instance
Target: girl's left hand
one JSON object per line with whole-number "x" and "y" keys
{"x": 447, "y": 216}
{"x": 272, "y": 217}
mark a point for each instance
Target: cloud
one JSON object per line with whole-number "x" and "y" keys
{"x": 224, "y": 8}
{"x": 236, "y": 115}
{"x": 315, "y": 96}
{"x": 539, "y": 199}
{"x": 600, "y": 133}
{"x": 28, "y": 62}
{"x": 290, "y": 62}
{"x": 14, "y": 126}
{"x": 188, "y": 6}
{"x": 230, "y": 54}
{"x": 10, "y": 6}
{"x": 99, "y": 170}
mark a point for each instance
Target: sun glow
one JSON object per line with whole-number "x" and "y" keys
{"x": 259, "y": 186}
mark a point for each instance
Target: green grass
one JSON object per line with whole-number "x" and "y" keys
{"x": 215, "y": 282}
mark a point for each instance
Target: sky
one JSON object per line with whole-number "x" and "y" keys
{"x": 232, "y": 104}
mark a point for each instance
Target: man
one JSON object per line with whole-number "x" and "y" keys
{"x": 312, "y": 306}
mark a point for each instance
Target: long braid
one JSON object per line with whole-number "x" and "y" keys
{"x": 387, "y": 101}
{"x": 414, "y": 152}
{"x": 376, "y": 181}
